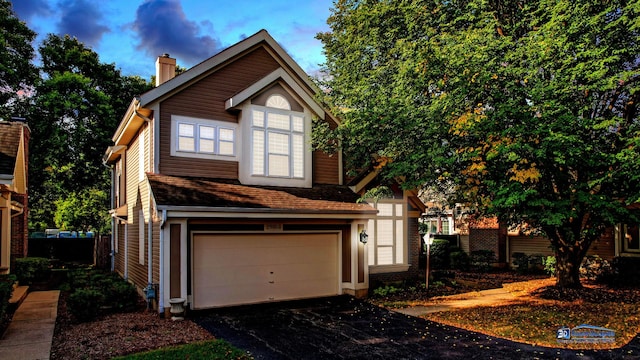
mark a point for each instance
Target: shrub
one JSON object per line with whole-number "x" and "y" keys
{"x": 439, "y": 252}
{"x": 385, "y": 290}
{"x": 482, "y": 260}
{"x": 85, "y": 304}
{"x": 550, "y": 265}
{"x": 6, "y": 289}
{"x": 459, "y": 260}
{"x": 520, "y": 262}
{"x": 121, "y": 296}
{"x": 594, "y": 267}
{"x": 31, "y": 269}
{"x": 623, "y": 271}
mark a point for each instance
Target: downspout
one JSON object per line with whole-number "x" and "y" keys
{"x": 161, "y": 264}
{"x": 150, "y": 250}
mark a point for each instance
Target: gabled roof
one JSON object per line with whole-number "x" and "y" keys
{"x": 205, "y": 67}
{"x": 224, "y": 196}
{"x": 10, "y": 138}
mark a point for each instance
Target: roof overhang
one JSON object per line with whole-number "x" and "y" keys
{"x": 247, "y": 213}
{"x": 131, "y": 122}
{"x": 112, "y": 153}
{"x": 279, "y": 74}
{"x": 121, "y": 212}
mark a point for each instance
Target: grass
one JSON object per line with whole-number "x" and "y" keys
{"x": 534, "y": 320}
{"x": 214, "y": 349}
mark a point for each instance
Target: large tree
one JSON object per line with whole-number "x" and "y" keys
{"x": 17, "y": 72}
{"x": 76, "y": 108}
{"x": 529, "y": 107}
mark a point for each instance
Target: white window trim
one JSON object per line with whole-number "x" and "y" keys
{"x": 197, "y": 122}
{"x": 245, "y": 168}
{"x": 372, "y": 229}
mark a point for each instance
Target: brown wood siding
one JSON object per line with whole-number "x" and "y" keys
{"x": 539, "y": 245}
{"x": 346, "y": 255}
{"x": 156, "y": 252}
{"x": 174, "y": 261}
{"x": 206, "y": 99}
{"x": 325, "y": 168}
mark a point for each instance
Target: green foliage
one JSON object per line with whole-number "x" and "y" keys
{"x": 75, "y": 111}
{"x": 115, "y": 294}
{"x": 550, "y": 265}
{"x": 482, "y": 260}
{"x": 31, "y": 269}
{"x": 459, "y": 260}
{"x": 85, "y": 304}
{"x": 521, "y": 262}
{"x": 625, "y": 272}
{"x": 208, "y": 350}
{"x": 6, "y": 290}
{"x": 385, "y": 290}
{"x": 17, "y": 72}
{"x": 439, "y": 252}
{"x": 525, "y": 107}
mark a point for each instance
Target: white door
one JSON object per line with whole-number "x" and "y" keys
{"x": 234, "y": 269}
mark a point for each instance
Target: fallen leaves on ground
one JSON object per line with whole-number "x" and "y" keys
{"x": 119, "y": 334}
{"x": 541, "y": 309}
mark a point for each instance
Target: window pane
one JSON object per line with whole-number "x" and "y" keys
{"x": 258, "y": 153}
{"x": 399, "y": 242}
{"x": 632, "y": 240}
{"x": 226, "y": 134}
{"x": 278, "y": 121}
{"x": 298, "y": 123}
{"x": 278, "y": 101}
{"x": 384, "y": 233}
{"x": 298, "y": 156}
{"x": 385, "y": 209}
{"x": 258, "y": 118}
{"x": 207, "y": 132}
{"x": 278, "y": 165}
{"x": 186, "y": 144}
{"x": 399, "y": 209}
{"x": 385, "y": 256}
{"x": 185, "y": 130}
{"x": 278, "y": 143}
{"x": 226, "y": 148}
{"x": 206, "y": 146}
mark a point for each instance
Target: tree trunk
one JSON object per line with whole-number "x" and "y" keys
{"x": 568, "y": 260}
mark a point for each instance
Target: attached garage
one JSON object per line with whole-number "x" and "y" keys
{"x": 233, "y": 269}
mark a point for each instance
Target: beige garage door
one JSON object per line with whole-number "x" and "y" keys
{"x": 250, "y": 268}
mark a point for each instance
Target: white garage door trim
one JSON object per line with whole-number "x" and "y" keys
{"x": 246, "y": 268}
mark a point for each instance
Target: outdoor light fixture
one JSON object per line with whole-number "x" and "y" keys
{"x": 363, "y": 236}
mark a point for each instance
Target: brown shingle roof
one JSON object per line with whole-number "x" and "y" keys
{"x": 191, "y": 192}
{"x": 9, "y": 142}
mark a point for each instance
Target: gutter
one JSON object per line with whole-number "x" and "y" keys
{"x": 161, "y": 264}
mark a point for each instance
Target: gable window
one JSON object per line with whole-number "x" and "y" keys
{"x": 277, "y": 140}
{"x": 203, "y": 138}
{"x": 387, "y": 234}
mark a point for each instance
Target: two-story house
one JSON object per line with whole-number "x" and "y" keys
{"x": 14, "y": 162}
{"x": 218, "y": 198}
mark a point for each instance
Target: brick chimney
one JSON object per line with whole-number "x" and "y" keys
{"x": 165, "y": 69}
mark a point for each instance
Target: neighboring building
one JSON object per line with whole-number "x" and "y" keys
{"x": 14, "y": 155}
{"x": 217, "y": 197}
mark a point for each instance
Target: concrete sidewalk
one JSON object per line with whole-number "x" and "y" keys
{"x": 30, "y": 333}
{"x": 476, "y": 298}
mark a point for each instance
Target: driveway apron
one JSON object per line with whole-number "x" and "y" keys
{"x": 346, "y": 328}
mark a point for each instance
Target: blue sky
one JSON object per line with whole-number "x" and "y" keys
{"x": 132, "y": 33}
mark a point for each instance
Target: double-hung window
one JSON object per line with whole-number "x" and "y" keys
{"x": 387, "y": 234}
{"x": 203, "y": 138}
{"x": 277, "y": 139}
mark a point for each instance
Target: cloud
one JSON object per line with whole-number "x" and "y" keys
{"x": 162, "y": 27}
{"x": 26, "y": 9}
{"x": 81, "y": 19}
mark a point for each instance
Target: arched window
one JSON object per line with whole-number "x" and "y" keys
{"x": 278, "y": 102}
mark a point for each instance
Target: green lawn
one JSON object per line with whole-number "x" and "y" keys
{"x": 214, "y": 349}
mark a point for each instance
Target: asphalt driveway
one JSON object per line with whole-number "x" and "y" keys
{"x": 346, "y": 328}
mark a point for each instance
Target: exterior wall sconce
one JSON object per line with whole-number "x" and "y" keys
{"x": 364, "y": 237}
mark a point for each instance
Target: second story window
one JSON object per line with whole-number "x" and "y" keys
{"x": 277, "y": 140}
{"x": 203, "y": 138}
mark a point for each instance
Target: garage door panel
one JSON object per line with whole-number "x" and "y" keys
{"x": 249, "y": 268}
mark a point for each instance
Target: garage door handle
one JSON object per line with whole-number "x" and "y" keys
{"x": 271, "y": 282}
